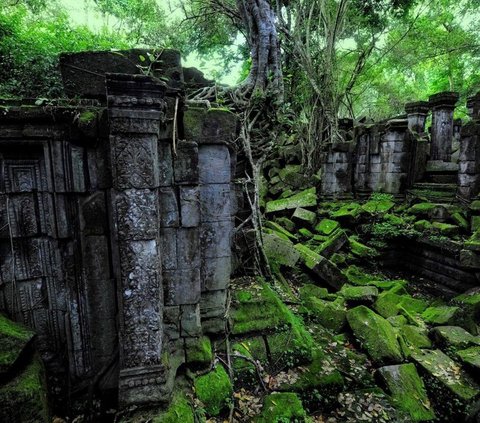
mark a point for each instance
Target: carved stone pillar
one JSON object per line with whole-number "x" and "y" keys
{"x": 417, "y": 114}
{"x": 443, "y": 105}
{"x": 136, "y": 112}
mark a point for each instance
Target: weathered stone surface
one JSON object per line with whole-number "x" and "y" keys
{"x": 280, "y": 251}
{"x": 14, "y": 339}
{"x": 189, "y": 206}
{"x": 186, "y": 163}
{"x": 214, "y": 163}
{"x": 454, "y": 336}
{"x": 307, "y": 198}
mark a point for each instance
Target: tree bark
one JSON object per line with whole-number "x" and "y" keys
{"x": 266, "y": 70}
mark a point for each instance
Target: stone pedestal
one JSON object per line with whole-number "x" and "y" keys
{"x": 136, "y": 112}
{"x": 417, "y": 114}
{"x": 443, "y": 106}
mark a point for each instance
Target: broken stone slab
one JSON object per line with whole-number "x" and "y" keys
{"x": 446, "y": 228}
{"x": 375, "y": 334}
{"x": 14, "y": 339}
{"x": 330, "y": 314}
{"x": 304, "y": 216}
{"x": 361, "y": 250}
{"x": 407, "y": 391}
{"x": 415, "y": 337}
{"x": 321, "y": 266}
{"x": 378, "y": 206}
{"x": 439, "y": 315}
{"x": 444, "y": 372}
{"x": 454, "y": 337}
{"x": 274, "y": 226}
{"x": 333, "y": 244}
{"x": 468, "y": 310}
{"x": 280, "y": 251}
{"x": 307, "y": 198}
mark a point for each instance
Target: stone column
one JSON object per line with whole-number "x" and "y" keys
{"x": 395, "y": 156}
{"x": 469, "y": 162}
{"x": 136, "y": 111}
{"x": 417, "y": 114}
{"x": 473, "y": 106}
{"x": 443, "y": 105}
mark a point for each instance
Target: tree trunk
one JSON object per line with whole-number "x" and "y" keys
{"x": 266, "y": 70}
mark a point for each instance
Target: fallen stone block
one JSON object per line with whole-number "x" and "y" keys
{"x": 307, "y": 198}
{"x": 375, "y": 334}
{"x": 454, "y": 337}
{"x": 407, "y": 391}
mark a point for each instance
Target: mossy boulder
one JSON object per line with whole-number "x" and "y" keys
{"x": 198, "y": 351}
{"x": 282, "y": 407}
{"x": 214, "y": 390}
{"x": 311, "y": 290}
{"x": 454, "y": 337}
{"x": 179, "y": 410}
{"x": 326, "y": 226}
{"x": 446, "y": 229}
{"x": 307, "y": 198}
{"x": 330, "y": 314}
{"x": 389, "y": 303}
{"x": 348, "y": 213}
{"x": 245, "y": 372}
{"x": 415, "y": 337}
{"x": 422, "y": 225}
{"x": 24, "y": 397}
{"x": 359, "y": 294}
{"x": 290, "y": 348}
{"x": 281, "y": 230}
{"x": 361, "y": 250}
{"x": 422, "y": 209}
{"x": 286, "y": 223}
{"x": 357, "y": 276}
{"x": 439, "y": 315}
{"x": 468, "y": 313}
{"x": 407, "y": 391}
{"x": 332, "y": 244}
{"x": 375, "y": 334}
{"x": 14, "y": 339}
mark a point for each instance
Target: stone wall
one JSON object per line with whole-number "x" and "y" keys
{"x": 115, "y": 231}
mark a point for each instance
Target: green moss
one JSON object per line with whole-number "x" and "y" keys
{"x": 358, "y": 276}
{"x": 422, "y": 209}
{"x": 279, "y": 229}
{"x": 24, "y": 398}
{"x": 285, "y": 223}
{"x": 214, "y": 390}
{"x": 439, "y": 315}
{"x": 252, "y": 348}
{"x": 282, "y": 407}
{"x": 310, "y": 290}
{"x": 307, "y": 198}
{"x": 87, "y": 116}
{"x": 389, "y": 303}
{"x": 13, "y": 340}
{"x": 470, "y": 356}
{"x": 422, "y": 225}
{"x": 445, "y": 228}
{"x": 179, "y": 410}
{"x": 303, "y": 215}
{"x": 305, "y": 233}
{"x": 326, "y": 226}
{"x": 415, "y": 337}
{"x": 199, "y": 350}
{"x": 460, "y": 220}
{"x": 376, "y": 335}
{"x": 454, "y": 337}
{"x": 280, "y": 251}
{"x": 408, "y": 391}
{"x": 397, "y": 321}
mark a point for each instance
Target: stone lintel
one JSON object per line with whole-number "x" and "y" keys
{"x": 396, "y": 125}
{"x": 444, "y": 100}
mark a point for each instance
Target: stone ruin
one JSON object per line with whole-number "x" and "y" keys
{"x": 116, "y": 218}
{"x": 117, "y": 213}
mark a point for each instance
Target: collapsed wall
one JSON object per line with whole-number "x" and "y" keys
{"x": 115, "y": 225}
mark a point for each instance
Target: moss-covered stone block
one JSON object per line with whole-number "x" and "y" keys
{"x": 332, "y": 244}
{"x": 290, "y": 348}
{"x": 408, "y": 391}
{"x": 282, "y": 407}
{"x": 422, "y": 225}
{"x": 454, "y": 337}
{"x": 389, "y": 303}
{"x": 14, "y": 338}
{"x": 470, "y": 357}
{"x": 359, "y": 294}
{"x": 179, "y": 410}
{"x": 348, "y": 213}
{"x": 361, "y": 250}
{"x": 452, "y": 390}
{"x": 375, "y": 334}
{"x": 422, "y": 209}
{"x": 460, "y": 220}
{"x": 378, "y": 206}
{"x": 305, "y": 233}
{"x": 439, "y": 315}
{"x": 253, "y": 348}
{"x": 307, "y": 198}
{"x": 446, "y": 229}
{"x": 415, "y": 337}
{"x": 397, "y": 321}
{"x": 281, "y": 230}
{"x": 214, "y": 390}
{"x": 303, "y": 216}
{"x": 258, "y": 308}
{"x": 286, "y": 223}
{"x": 330, "y": 314}
{"x": 198, "y": 351}
{"x": 279, "y": 251}
{"x": 311, "y": 290}
{"x": 358, "y": 276}
{"x": 24, "y": 398}
{"x": 468, "y": 313}
{"x": 326, "y": 226}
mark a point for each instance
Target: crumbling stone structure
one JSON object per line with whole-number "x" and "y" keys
{"x": 115, "y": 225}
